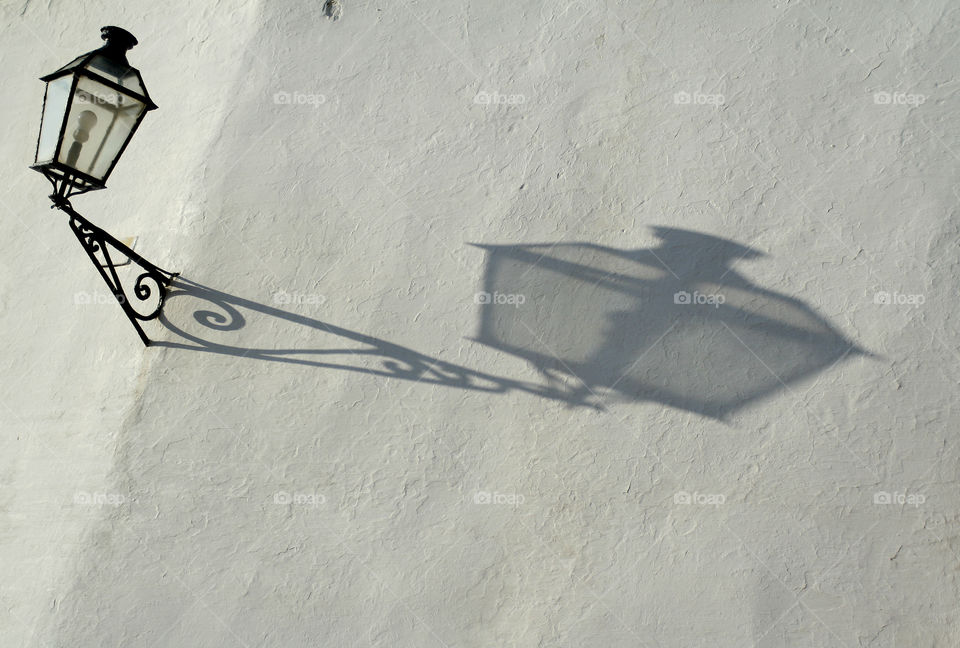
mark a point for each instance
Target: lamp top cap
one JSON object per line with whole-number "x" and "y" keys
{"x": 117, "y": 37}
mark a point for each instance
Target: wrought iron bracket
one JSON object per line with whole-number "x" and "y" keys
{"x": 98, "y": 245}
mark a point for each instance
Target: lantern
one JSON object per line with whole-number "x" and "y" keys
{"x": 91, "y": 109}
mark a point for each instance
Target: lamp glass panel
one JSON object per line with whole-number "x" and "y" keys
{"x": 117, "y": 72}
{"x": 54, "y": 109}
{"x": 100, "y": 122}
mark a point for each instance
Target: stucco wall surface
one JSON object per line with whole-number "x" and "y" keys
{"x": 508, "y": 323}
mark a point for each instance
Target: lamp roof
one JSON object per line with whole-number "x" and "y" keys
{"x": 109, "y": 63}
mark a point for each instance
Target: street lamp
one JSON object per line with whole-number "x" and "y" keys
{"x": 91, "y": 109}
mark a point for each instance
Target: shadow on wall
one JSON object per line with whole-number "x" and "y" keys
{"x": 219, "y": 326}
{"x": 673, "y": 324}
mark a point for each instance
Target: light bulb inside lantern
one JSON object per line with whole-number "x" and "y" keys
{"x": 86, "y": 120}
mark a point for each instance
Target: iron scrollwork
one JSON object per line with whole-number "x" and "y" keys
{"x": 98, "y": 245}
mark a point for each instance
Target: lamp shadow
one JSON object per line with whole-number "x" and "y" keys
{"x": 216, "y": 315}
{"x": 673, "y": 324}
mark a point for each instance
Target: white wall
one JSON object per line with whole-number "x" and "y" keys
{"x": 357, "y": 223}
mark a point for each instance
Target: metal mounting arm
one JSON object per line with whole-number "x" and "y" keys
{"x": 98, "y": 244}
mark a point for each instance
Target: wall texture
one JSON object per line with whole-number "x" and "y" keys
{"x": 500, "y": 324}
